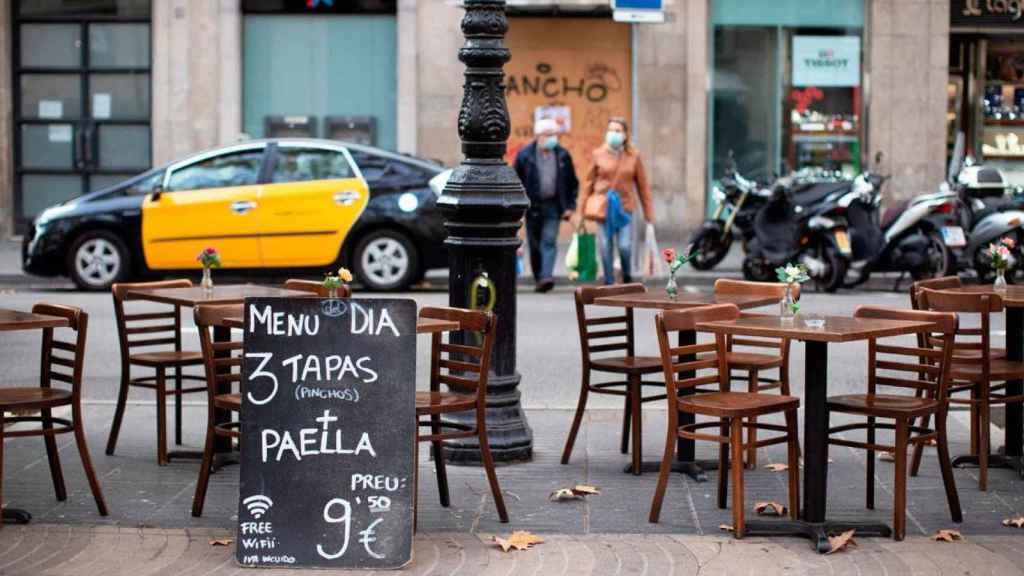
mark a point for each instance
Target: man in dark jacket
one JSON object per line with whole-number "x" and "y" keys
{"x": 550, "y": 180}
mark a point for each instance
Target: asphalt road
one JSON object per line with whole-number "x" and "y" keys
{"x": 548, "y": 342}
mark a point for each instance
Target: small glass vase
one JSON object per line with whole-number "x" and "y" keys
{"x": 787, "y": 307}
{"x": 207, "y": 282}
{"x": 332, "y": 292}
{"x": 671, "y": 288}
{"x": 1000, "y": 278}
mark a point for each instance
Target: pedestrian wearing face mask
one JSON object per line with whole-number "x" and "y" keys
{"x": 547, "y": 173}
{"x": 614, "y": 181}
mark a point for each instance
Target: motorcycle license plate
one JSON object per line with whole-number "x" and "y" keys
{"x": 954, "y": 236}
{"x": 843, "y": 241}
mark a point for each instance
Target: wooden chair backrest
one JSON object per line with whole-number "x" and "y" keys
{"x": 462, "y": 367}
{"x": 317, "y": 288}
{"x": 614, "y": 333}
{"x": 221, "y": 360}
{"x": 146, "y": 329}
{"x": 61, "y": 361}
{"x": 944, "y": 283}
{"x": 918, "y": 368}
{"x": 683, "y": 359}
{"x": 726, "y": 286}
{"x": 975, "y": 340}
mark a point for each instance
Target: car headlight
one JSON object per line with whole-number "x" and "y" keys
{"x": 438, "y": 182}
{"x": 408, "y": 202}
{"x": 52, "y": 213}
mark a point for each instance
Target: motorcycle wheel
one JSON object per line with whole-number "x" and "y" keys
{"x": 939, "y": 259}
{"x": 757, "y": 270}
{"x": 836, "y": 273}
{"x": 711, "y": 245}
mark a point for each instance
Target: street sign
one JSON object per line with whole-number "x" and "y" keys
{"x": 328, "y": 433}
{"x": 638, "y": 11}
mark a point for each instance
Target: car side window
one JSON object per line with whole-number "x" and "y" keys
{"x": 235, "y": 169}
{"x": 302, "y": 164}
{"x": 146, "y": 185}
{"x": 372, "y": 167}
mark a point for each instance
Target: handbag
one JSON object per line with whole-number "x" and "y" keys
{"x": 596, "y": 207}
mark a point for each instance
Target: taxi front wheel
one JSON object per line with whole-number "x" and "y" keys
{"x": 386, "y": 260}
{"x": 97, "y": 259}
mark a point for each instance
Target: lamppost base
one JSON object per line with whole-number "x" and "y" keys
{"x": 508, "y": 432}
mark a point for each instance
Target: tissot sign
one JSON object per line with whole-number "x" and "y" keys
{"x": 826, "y": 61}
{"x": 987, "y": 13}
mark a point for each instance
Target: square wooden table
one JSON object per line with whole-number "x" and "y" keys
{"x": 226, "y": 294}
{"x": 686, "y": 462}
{"x": 10, "y": 321}
{"x": 837, "y": 329}
{"x": 1013, "y": 443}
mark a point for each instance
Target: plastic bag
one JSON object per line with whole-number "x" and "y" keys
{"x": 572, "y": 257}
{"x": 586, "y": 266}
{"x": 654, "y": 266}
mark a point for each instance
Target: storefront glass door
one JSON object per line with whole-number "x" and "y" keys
{"x": 82, "y": 104}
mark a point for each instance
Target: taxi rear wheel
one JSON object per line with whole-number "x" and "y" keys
{"x": 97, "y": 260}
{"x": 386, "y": 260}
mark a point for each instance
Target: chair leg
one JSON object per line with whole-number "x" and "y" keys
{"x": 52, "y": 454}
{"x": 983, "y": 441}
{"x": 975, "y": 429}
{"x": 899, "y": 508}
{"x": 752, "y": 385}
{"x": 942, "y": 445}
{"x": 1, "y": 466}
{"x": 627, "y": 416}
{"x": 915, "y": 464}
{"x": 177, "y": 406}
{"x": 83, "y": 452}
{"x": 793, "y": 449}
{"x": 581, "y": 407}
{"x": 204, "y": 469}
{"x": 869, "y": 477}
{"x": 122, "y": 400}
{"x": 663, "y": 472}
{"x": 723, "y": 467}
{"x": 161, "y": 417}
{"x": 635, "y": 408}
{"x": 492, "y": 478}
{"x": 436, "y": 451}
{"x": 784, "y": 390}
{"x": 736, "y": 444}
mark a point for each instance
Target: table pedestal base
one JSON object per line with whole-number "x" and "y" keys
{"x": 695, "y": 469}
{"x": 16, "y": 516}
{"x": 816, "y": 532}
{"x": 1015, "y": 463}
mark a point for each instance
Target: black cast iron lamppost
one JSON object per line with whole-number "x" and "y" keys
{"x": 484, "y": 202}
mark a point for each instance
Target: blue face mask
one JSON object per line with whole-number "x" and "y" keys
{"x": 615, "y": 139}
{"x": 550, "y": 143}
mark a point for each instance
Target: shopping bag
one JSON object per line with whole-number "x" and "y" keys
{"x": 586, "y": 266}
{"x": 572, "y": 257}
{"x": 654, "y": 266}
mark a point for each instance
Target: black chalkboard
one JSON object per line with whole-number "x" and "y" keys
{"x": 328, "y": 433}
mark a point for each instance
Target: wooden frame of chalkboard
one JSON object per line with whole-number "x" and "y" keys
{"x": 328, "y": 433}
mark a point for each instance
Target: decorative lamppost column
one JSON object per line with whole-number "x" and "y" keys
{"x": 484, "y": 202}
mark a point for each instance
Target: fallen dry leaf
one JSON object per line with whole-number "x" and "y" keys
{"x": 585, "y": 490}
{"x": 563, "y": 494}
{"x": 887, "y": 457}
{"x": 221, "y": 541}
{"x": 947, "y": 535}
{"x": 769, "y": 509}
{"x": 777, "y": 467}
{"x": 520, "y": 540}
{"x": 726, "y": 528}
{"x": 1017, "y": 522}
{"x": 842, "y": 541}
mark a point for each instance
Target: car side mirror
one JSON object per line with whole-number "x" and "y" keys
{"x": 158, "y": 191}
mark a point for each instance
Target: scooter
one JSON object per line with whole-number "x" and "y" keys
{"x": 792, "y": 228}
{"x": 738, "y": 201}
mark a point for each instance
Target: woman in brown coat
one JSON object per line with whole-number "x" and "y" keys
{"x": 615, "y": 179}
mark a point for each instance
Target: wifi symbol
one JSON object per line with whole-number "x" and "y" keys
{"x": 257, "y": 505}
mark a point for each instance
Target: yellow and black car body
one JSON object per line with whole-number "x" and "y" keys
{"x": 305, "y": 206}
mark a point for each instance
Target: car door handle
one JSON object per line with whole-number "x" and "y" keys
{"x": 346, "y": 197}
{"x": 242, "y": 206}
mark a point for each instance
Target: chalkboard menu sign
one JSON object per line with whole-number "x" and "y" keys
{"x": 328, "y": 433}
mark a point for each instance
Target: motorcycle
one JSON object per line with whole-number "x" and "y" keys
{"x": 794, "y": 227}
{"x": 738, "y": 201}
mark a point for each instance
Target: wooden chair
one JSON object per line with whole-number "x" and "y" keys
{"x": 61, "y": 363}
{"x": 463, "y": 369}
{"x": 317, "y": 288}
{"x": 752, "y": 362}
{"x": 945, "y": 283}
{"x": 733, "y": 409}
{"x": 223, "y": 364}
{"x": 600, "y": 335}
{"x": 898, "y": 366}
{"x": 974, "y": 369}
{"x": 146, "y": 330}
